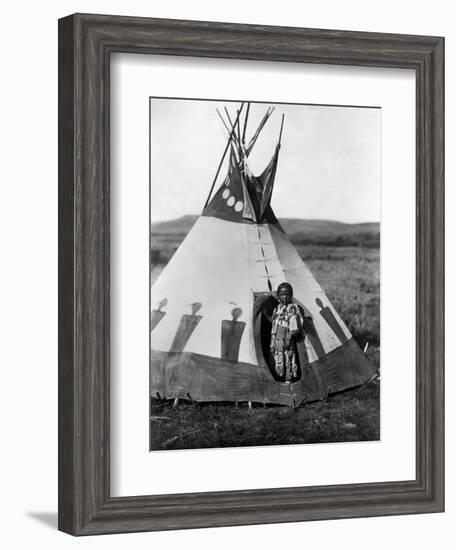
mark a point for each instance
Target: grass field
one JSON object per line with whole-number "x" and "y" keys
{"x": 345, "y": 260}
{"x": 348, "y": 416}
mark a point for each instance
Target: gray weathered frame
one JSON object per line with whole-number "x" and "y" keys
{"x": 85, "y": 45}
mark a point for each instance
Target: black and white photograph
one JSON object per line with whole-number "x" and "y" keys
{"x": 264, "y": 273}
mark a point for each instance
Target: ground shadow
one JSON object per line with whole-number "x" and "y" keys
{"x": 49, "y": 519}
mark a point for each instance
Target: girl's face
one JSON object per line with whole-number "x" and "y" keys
{"x": 285, "y": 296}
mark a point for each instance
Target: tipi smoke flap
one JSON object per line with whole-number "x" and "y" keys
{"x": 211, "y": 305}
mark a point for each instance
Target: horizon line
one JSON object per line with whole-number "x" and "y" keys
{"x": 278, "y": 217}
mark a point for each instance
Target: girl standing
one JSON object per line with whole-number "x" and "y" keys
{"x": 287, "y": 323}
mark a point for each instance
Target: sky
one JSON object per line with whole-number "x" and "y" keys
{"x": 329, "y": 164}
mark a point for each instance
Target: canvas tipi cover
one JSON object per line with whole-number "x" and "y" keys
{"x": 209, "y": 332}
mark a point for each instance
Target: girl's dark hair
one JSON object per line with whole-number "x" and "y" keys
{"x": 285, "y": 285}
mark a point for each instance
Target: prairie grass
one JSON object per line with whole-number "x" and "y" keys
{"x": 351, "y": 279}
{"x": 348, "y": 416}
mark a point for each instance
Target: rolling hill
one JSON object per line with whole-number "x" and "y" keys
{"x": 316, "y": 232}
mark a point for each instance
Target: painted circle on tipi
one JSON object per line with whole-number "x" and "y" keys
{"x": 231, "y": 201}
{"x": 238, "y": 206}
{"x": 226, "y": 193}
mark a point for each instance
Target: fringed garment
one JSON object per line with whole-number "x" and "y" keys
{"x": 287, "y": 325}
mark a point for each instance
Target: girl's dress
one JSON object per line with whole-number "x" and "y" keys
{"x": 287, "y": 325}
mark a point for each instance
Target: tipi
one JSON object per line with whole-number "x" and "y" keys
{"x": 209, "y": 324}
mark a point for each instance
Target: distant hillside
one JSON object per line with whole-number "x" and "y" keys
{"x": 316, "y": 232}
{"x": 174, "y": 227}
{"x": 294, "y": 226}
{"x": 331, "y": 233}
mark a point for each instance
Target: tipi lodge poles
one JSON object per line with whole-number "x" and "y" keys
{"x": 245, "y": 124}
{"x": 223, "y": 156}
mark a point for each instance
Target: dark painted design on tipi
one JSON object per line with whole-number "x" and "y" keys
{"x": 187, "y": 325}
{"x": 329, "y": 317}
{"x": 312, "y": 334}
{"x": 232, "y": 331}
{"x": 239, "y": 198}
{"x": 156, "y": 315}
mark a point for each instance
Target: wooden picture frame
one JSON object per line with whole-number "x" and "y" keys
{"x": 85, "y": 45}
